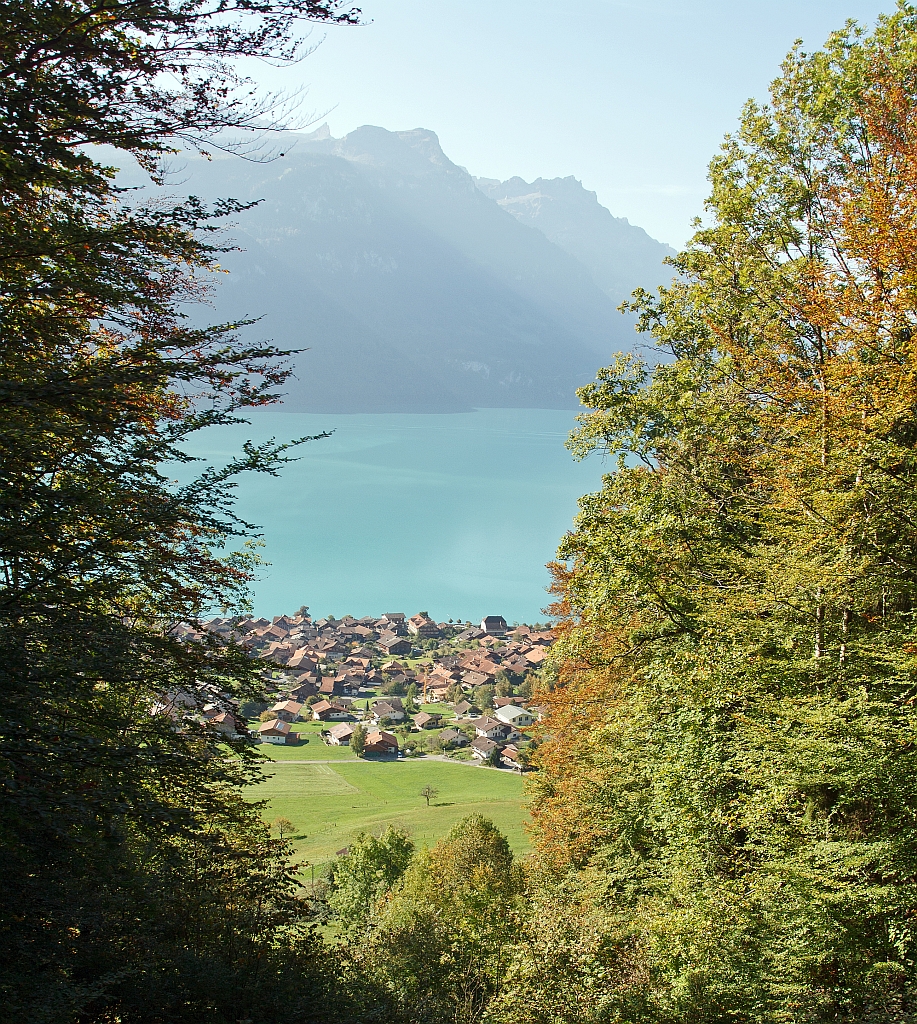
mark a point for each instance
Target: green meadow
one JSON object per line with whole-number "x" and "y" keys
{"x": 329, "y": 804}
{"x": 310, "y": 747}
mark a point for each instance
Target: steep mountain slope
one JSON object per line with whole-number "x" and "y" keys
{"x": 411, "y": 289}
{"x": 620, "y": 256}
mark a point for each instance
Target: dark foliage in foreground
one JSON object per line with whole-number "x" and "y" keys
{"x": 137, "y": 884}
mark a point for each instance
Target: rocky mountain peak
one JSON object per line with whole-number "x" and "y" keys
{"x": 620, "y": 256}
{"x": 407, "y": 287}
{"x": 415, "y": 153}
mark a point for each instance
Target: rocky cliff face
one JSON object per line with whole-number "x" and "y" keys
{"x": 619, "y": 255}
{"x": 409, "y": 287}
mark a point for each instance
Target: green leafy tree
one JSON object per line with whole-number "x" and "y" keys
{"x": 731, "y": 743}
{"x": 114, "y": 796}
{"x": 484, "y": 696}
{"x": 392, "y": 687}
{"x": 410, "y": 699}
{"x": 493, "y": 758}
{"x": 365, "y": 874}
{"x": 504, "y": 685}
{"x": 432, "y": 742}
{"x": 442, "y": 940}
{"x": 358, "y": 739}
{"x": 571, "y": 959}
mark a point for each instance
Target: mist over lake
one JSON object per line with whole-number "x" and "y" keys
{"x": 455, "y": 513}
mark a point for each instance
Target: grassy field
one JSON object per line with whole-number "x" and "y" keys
{"x": 445, "y": 710}
{"x": 311, "y": 747}
{"x": 312, "y": 750}
{"x": 330, "y": 804}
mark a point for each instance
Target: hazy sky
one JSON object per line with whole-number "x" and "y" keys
{"x": 630, "y": 96}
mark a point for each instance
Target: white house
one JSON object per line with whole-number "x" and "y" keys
{"x": 276, "y": 731}
{"x": 392, "y": 709}
{"x": 490, "y": 728}
{"x": 514, "y": 716}
{"x": 339, "y": 735}
{"x": 287, "y": 710}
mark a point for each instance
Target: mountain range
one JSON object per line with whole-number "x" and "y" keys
{"x": 414, "y": 287}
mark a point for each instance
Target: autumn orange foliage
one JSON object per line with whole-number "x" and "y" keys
{"x": 784, "y": 430}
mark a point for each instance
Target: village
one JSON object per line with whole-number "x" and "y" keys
{"x": 391, "y": 686}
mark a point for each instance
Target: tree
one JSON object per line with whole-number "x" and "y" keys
{"x": 114, "y": 794}
{"x": 410, "y": 701}
{"x": 429, "y": 793}
{"x": 392, "y": 687}
{"x": 730, "y": 737}
{"x": 442, "y": 939}
{"x": 570, "y": 962}
{"x": 361, "y": 878}
{"x": 283, "y": 826}
{"x": 484, "y": 696}
{"x": 504, "y": 685}
{"x": 433, "y": 742}
{"x": 358, "y": 739}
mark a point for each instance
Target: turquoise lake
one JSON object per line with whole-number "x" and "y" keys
{"x": 454, "y": 514}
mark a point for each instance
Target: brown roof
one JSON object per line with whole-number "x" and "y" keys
{"x": 464, "y": 708}
{"x": 381, "y": 738}
{"x": 291, "y": 706}
{"x": 393, "y": 641}
{"x": 484, "y": 745}
{"x": 382, "y": 734}
{"x": 448, "y": 735}
{"x": 275, "y": 725}
{"x": 477, "y": 678}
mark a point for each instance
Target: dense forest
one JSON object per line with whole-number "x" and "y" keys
{"x": 724, "y": 802}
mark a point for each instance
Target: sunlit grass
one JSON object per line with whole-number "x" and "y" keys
{"x": 329, "y": 805}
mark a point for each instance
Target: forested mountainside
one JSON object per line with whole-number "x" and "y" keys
{"x": 620, "y": 256}
{"x": 411, "y": 289}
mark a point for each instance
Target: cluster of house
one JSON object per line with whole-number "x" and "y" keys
{"x": 487, "y": 656}
{"x": 496, "y": 732}
{"x": 297, "y": 643}
{"x": 277, "y": 729}
{"x": 321, "y": 667}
